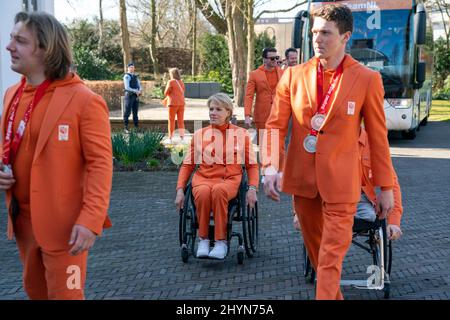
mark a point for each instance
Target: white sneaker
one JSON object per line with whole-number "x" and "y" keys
{"x": 203, "y": 248}
{"x": 220, "y": 250}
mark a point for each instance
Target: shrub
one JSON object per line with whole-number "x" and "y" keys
{"x": 215, "y": 62}
{"x": 263, "y": 40}
{"x": 153, "y": 163}
{"x": 111, "y": 91}
{"x": 136, "y": 147}
{"x": 90, "y": 66}
{"x": 444, "y": 93}
{"x": 441, "y": 64}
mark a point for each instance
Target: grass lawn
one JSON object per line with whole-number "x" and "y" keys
{"x": 440, "y": 111}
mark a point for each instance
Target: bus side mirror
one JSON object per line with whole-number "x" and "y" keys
{"x": 420, "y": 23}
{"x": 297, "y": 33}
{"x": 421, "y": 73}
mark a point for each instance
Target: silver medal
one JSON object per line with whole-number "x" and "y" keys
{"x": 310, "y": 143}
{"x": 317, "y": 121}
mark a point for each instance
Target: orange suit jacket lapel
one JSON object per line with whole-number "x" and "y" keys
{"x": 348, "y": 80}
{"x": 58, "y": 103}
{"x": 310, "y": 83}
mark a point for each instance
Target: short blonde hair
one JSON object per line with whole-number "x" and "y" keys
{"x": 224, "y": 100}
{"x": 174, "y": 73}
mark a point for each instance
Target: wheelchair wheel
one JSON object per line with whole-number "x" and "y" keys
{"x": 184, "y": 254}
{"x": 387, "y": 290}
{"x": 187, "y": 229}
{"x": 313, "y": 276}
{"x": 389, "y": 258}
{"x": 240, "y": 257}
{"x": 250, "y": 230}
{"x": 306, "y": 263}
{"x": 380, "y": 255}
{"x": 307, "y": 266}
{"x": 253, "y": 226}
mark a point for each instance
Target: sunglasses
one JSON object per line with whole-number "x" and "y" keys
{"x": 274, "y": 58}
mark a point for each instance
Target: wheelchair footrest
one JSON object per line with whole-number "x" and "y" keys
{"x": 361, "y": 284}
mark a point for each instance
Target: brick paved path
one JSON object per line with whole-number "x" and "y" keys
{"x": 139, "y": 257}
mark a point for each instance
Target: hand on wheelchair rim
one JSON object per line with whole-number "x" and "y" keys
{"x": 179, "y": 200}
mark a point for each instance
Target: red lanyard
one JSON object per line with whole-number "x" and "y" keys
{"x": 322, "y": 101}
{"x": 10, "y": 147}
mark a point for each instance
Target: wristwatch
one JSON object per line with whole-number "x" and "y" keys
{"x": 252, "y": 188}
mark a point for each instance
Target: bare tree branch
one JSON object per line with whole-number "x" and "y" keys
{"x": 280, "y": 10}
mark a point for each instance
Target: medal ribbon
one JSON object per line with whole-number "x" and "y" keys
{"x": 322, "y": 101}
{"x": 10, "y": 147}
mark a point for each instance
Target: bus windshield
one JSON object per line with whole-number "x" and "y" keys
{"x": 381, "y": 42}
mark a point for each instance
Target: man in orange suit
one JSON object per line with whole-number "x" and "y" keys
{"x": 56, "y": 163}
{"x": 328, "y": 97}
{"x": 262, "y": 82}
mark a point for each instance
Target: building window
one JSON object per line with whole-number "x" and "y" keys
{"x": 30, "y": 5}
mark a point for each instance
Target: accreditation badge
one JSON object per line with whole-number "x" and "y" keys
{"x": 351, "y": 108}
{"x": 63, "y": 133}
{"x": 21, "y": 128}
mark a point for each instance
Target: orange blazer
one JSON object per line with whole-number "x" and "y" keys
{"x": 334, "y": 170}
{"x": 202, "y": 151}
{"x": 70, "y": 180}
{"x": 175, "y": 93}
{"x": 257, "y": 83}
{"x": 367, "y": 181}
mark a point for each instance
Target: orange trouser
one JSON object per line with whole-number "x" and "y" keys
{"x": 214, "y": 196}
{"x": 177, "y": 111}
{"x": 54, "y": 275}
{"x": 327, "y": 233}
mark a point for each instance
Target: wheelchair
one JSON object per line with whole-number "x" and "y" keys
{"x": 238, "y": 213}
{"x": 373, "y": 239}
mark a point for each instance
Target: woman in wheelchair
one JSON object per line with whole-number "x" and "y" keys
{"x": 219, "y": 150}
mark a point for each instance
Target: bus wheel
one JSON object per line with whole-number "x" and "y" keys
{"x": 424, "y": 121}
{"x": 409, "y": 134}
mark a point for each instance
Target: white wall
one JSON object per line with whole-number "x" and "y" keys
{"x": 8, "y": 9}
{"x": 438, "y": 24}
{"x": 7, "y": 77}
{"x": 47, "y": 6}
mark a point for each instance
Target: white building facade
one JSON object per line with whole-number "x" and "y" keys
{"x": 8, "y": 10}
{"x": 438, "y": 23}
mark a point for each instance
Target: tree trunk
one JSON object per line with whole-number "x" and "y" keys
{"x": 100, "y": 27}
{"x": 126, "y": 48}
{"x": 442, "y": 7}
{"x": 250, "y": 36}
{"x": 153, "y": 32}
{"x": 216, "y": 20}
{"x": 194, "y": 40}
{"x": 237, "y": 48}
